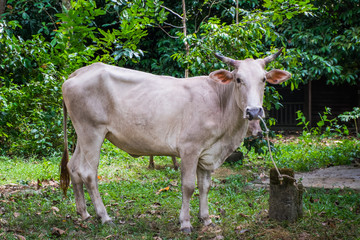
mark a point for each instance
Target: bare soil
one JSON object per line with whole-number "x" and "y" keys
{"x": 331, "y": 177}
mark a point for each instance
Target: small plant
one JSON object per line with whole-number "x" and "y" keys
{"x": 302, "y": 121}
{"x": 353, "y": 115}
{"x": 331, "y": 125}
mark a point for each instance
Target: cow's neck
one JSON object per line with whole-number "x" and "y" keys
{"x": 232, "y": 121}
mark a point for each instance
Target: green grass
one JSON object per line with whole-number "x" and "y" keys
{"x": 23, "y": 171}
{"x": 306, "y": 153}
{"x": 131, "y": 194}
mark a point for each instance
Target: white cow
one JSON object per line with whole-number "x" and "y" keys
{"x": 202, "y": 120}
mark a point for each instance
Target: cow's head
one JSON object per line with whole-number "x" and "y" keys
{"x": 249, "y": 77}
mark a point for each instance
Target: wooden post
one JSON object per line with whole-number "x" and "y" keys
{"x": 285, "y": 202}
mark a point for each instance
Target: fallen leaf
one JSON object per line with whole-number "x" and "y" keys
{"x": 240, "y": 230}
{"x": 57, "y": 231}
{"x": 3, "y": 221}
{"x": 304, "y": 236}
{"x": 140, "y": 216}
{"x": 16, "y": 214}
{"x": 163, "y": 189}
{"x": 243, "y": 215}
{"x": 244, "y": 231}
{"x": 83, "y": 225}
{"x": 174, "y": 183}
{"x": 218, "y": 237}
{"x": 331, "y": 223}
{"x": 262, "y": 175}
{"x": 222, "y": 212}
{"x": 55, "y": 209}
{"x": 156, "y": 205}
{"x": 314, "y": 200}
{"x": 321, "y": 214}
{"x": 19, "y": 236}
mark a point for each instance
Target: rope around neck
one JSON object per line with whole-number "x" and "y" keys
{"x": 280, "y": 176}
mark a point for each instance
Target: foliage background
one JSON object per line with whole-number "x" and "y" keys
{"x": 41, "y": 43}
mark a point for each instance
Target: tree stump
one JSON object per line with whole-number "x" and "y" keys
{"x": 285, "y": 202}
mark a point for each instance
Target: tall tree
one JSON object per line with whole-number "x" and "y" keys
{"x": 187, "y": 48}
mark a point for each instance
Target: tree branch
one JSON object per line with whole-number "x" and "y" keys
{"x": 176, "y": 14}
{"x": 166, "y": 32}
{"x": 173, "y": 25}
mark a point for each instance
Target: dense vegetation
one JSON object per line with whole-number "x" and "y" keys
{"x": 41, "y": 43}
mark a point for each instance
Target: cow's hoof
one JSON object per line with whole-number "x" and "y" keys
{"x": 110, "y": 223}
{"x": 87, "y": 218}
{"x": 186, "y": 230}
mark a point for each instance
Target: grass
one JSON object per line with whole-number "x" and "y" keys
{"x": 31, "y": 204}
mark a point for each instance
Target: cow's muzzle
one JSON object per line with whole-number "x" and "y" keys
{"x": 254, "y": 113}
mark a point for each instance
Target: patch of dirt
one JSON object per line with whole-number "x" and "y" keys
{"x": 224, "y": 172}
{"x": 332, "y": 177}
{"x": 31, "y": 188}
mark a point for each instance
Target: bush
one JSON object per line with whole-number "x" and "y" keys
{"x": 33, "y": 70}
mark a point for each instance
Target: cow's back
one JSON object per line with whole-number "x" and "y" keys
{"x": 144, "y": 114}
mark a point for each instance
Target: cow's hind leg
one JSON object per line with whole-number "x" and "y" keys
{"x": 84, "y": 170}
{"x": 204, "y": 182}
{"x": 151, "y": 163}
{"x": 176, "y": 165}
{"x": 77, "y": 183}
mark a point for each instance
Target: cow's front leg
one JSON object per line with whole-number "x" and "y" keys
{"x": 204, "y": 182}
{"x": 188, "y": 177}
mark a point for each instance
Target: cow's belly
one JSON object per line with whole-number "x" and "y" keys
{"x": 143, "y": 145}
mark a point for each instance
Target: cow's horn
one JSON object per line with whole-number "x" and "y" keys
{"x": 272, "y": 57}
{"x": 225, "y": 59}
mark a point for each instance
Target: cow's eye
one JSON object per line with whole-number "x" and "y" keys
{"x": 238, "y": 80}
{"x": 264, "y": 80}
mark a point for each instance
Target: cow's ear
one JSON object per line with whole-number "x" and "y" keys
{"x": 222, "y": 76}
{"x": 277, "y": 76}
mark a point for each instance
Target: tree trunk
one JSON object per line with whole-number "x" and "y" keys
{"x": 187, "y": 48}
{"x": 237, "y": 12}
{"x": 2, "y": 7}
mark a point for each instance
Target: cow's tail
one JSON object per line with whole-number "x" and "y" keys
{"x": 64, "y": 172}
